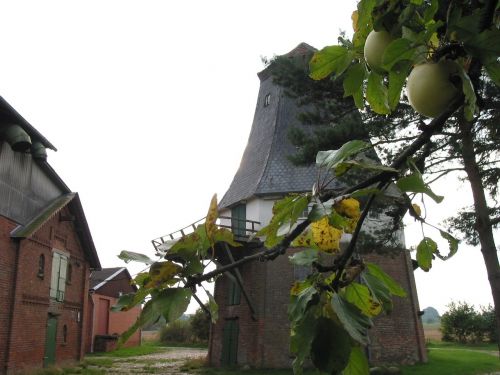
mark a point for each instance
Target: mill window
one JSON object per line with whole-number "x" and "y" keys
{"x": 238, "y": 220}
{"x": 267, "y": 100}
{"x": 234, "y": 293}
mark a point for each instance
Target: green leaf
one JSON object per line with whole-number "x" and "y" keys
{"x": 470, "y": 95}
{"x": 376, "y": 94}
{"x": 398, "y": 50}
{"x": 431, "y": 10}
{"x": 358, "y": 363}
{"x": 305, "y": 257}
{"x": 425, "y": 250}
{"x": 225, "y": 235}
{"x": 330, "y": 159}
{"x": 397, "y": 79}
{"x": 213, "y": 307}
{"x": 298, "y": 303}
{"x": 148, "y": 315}
{"x": 353, "y": 80}
{"x": 124, "y": 302}
{"x": 414, "y": 183}
{"x": 364, "y": 24}
{"x": 196, "y": 242}
{"x": 320, "y": 209}
{"x": 380, "y": 291}
{"x": 347, "y": 165}
{"x": 331, "y": 347}
{"x": 331, "y": 59}
{"x": 301, "y": 336}
{"x": 286, "y": 212}
{"x": 129, "y": 256}
{"x": 452, "y": 243}
{"x": 172, "y": 303}
{"x": 353, "y": 320}
{"x": 416, "y": 2}
{"x": 364, "y": 192}
{"x": 391, "y": 284}
{"x": 484, "y": 45}
{"x": 360, "y": 296}
{"x": 493, "y": 70}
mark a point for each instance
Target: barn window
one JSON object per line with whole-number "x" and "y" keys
{"x": 65, "y": 334}
{"x": 267, "y": 100}
{"x": 41, "y": 266}
{"x": 58, "y": 276}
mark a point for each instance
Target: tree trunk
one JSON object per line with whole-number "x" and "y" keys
{"x": 483, "y": 225}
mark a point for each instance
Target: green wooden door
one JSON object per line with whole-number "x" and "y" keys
{"x": 238, "y": 220}
{"x": 229, "y": 355}
{"x": 50, "y": 342}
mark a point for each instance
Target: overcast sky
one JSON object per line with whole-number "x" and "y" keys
{"x": 150, "y": 105}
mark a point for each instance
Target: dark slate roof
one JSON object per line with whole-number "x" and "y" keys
{"x": 265, "y": 168}
{"x": 101, "y": 277}
{"x": 81, "y": 226}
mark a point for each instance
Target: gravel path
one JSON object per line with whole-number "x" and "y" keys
{"x": 168, "y": 362}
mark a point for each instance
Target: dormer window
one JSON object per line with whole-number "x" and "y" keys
{"x": 267, "y": 100}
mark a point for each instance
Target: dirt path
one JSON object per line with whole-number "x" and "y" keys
{"x": 168, "y": 362}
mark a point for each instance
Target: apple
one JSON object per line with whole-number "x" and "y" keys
{"x": 375, "y": 45}
{"x": 429, "y": 88}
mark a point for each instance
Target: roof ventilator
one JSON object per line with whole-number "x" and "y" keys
{"x": 17, "y": 138}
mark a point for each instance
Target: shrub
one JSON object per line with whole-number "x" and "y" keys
{"x": 200, "y": 325}
{"x": 178, "y": 331}
{"x": 463, "y": 324}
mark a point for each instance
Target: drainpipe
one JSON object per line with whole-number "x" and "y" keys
{"x": 12, "y": 306}
{"x": 91, "y": 294}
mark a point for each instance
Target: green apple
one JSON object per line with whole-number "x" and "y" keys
{"x": 375, "y": 45}
{"x": 430, "y": 89}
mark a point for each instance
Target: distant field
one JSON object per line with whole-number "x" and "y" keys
{"x": 432, "y": 332}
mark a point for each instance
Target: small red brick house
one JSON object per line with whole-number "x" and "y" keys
{"x": 105, "y": 326}
{"x": 46, "y": 254}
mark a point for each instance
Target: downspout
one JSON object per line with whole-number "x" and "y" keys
{"x": 91, "y": 294}
{"x": 12, "y": 307}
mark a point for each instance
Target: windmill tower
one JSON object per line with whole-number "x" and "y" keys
{"x": 253, "y": 327}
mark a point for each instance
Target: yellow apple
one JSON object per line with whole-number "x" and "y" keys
{"x": 375, "y": 45}
{"x": 429, "y": 88}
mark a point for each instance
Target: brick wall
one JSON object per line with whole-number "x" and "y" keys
{"x": 117, "y": 322}
{"x": 32, "y": 304}
{"x": 7, "y": 272}
{"x": 397, "y": 338}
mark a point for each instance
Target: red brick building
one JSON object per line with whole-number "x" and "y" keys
{"x": 253, "y": 327}
{"x": 105, "y": 326}
{"x": 46, "y": 254}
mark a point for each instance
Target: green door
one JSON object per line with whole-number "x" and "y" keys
{"x": 50, "y": 342}
{"x": 238, "y": 220}
{"x": 229, "y": 355}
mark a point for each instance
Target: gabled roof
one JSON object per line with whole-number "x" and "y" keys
{"x": 265, "y": 169}
{"x": 72, "y": 200}
{"x": 101, "y": 277}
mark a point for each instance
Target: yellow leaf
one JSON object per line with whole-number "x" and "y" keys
{"x": 326, "y": 237}
{"x": 417, "y": 209}
{"x": 163, "y": 273}
{"x": 354, "y": 18}
{"x": 348, "y": 207}
{"x": 212, "y": 215}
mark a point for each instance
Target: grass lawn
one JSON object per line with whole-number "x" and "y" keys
{"x": 453, "y": 360}
{"x": 144, "y": 349}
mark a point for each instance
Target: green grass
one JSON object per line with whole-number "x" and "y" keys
{"x": 144, "y": 349}
{"x": 454, "y": 361}
{"x": 480, "y": 346}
